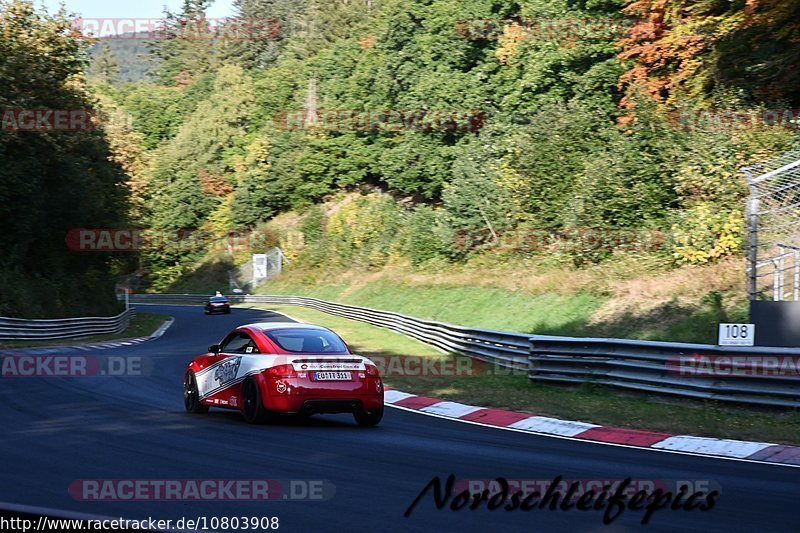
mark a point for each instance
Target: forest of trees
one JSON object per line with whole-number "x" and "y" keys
{"x": 554, "y": 126}
{"x": 52, "y": 181}
{"x": 119, "y": 60}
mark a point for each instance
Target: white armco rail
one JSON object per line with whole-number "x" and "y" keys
{"x": 63, "y": 328}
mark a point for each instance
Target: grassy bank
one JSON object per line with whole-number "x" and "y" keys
{"x": 630, "y": 298}
{"x": 467, "y": 306}
{"x": 594, "y": 404}
{"x": 144, "y": 324}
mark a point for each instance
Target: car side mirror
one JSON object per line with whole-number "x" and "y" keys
{"x": 214, "y": 348}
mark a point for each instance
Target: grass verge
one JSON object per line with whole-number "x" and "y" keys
{"x": 594, "y": 404}
{"x": 144, "y": 324}
{"x": 582, "y": 313}
{"x": 466, "y": 306}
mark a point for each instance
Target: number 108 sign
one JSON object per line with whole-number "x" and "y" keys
{"x": 737, "y": 334}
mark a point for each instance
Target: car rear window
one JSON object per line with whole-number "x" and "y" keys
{"x": 218, "y": 299}
{"x": 307, "y": 341}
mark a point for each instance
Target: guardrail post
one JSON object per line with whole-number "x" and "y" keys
{"x": 533, "y": 363}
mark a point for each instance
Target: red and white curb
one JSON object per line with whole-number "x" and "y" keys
{"x": 542, "y": 425}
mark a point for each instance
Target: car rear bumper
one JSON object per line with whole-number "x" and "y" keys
{"x": 318, "y": 405}
{"x": 302, "y": 395}
{"x": 311, "y": 407}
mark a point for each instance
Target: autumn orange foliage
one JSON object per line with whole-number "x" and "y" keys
{"x": 216, "y": 185}
{"x": 677, "y": 46}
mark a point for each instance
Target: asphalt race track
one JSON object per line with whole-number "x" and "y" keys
{"x": 60, "y": 429}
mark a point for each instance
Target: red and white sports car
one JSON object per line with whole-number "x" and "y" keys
{"x": 280, "y": 367}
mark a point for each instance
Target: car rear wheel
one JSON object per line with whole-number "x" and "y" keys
{"x": 369, "y": 419}
{"x": 252, "y": 404}
{"x": 191, "y": 396}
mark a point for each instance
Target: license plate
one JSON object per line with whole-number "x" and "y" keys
{"x": 332, "y": 376}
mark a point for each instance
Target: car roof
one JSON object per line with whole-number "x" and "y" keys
{"x": 270, "y": 326}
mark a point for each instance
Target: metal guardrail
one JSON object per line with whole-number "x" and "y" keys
{"x": 648, "y": 366}
{"x": 63, "y": 328}
{"x": 510, "y": 350}
{"x": 691, "y": 370}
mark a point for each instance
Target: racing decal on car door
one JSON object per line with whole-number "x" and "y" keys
{"x": 227, "y": 370}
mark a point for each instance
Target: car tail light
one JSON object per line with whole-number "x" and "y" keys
{"x": 372, "y": 371}
{"x": 282, "y": 371}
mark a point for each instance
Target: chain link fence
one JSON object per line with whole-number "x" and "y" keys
{"x": 773, "y": 214}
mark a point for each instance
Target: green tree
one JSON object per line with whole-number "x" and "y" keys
{"x": 105, "y": 65}
{"x": 52, "y": 181}
{"x": 266, "y": 25}
{"x": 258, "y": 195}
{"x": 186, "y": 49}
